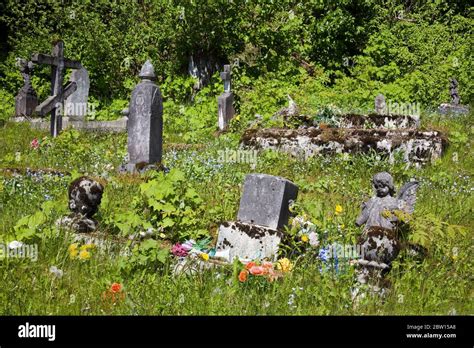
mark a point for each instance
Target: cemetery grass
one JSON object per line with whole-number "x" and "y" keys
{"x": 439, "y": 284}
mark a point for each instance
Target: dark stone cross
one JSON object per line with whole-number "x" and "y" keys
{"x": 59, "y": 93}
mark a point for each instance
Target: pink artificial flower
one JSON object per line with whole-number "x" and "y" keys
{"x": 34, "y": 144}
{"x": 178, "y": 250}
{"x": 258, "y": 270}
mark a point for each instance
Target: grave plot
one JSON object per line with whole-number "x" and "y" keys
{"x": 386, "y": 134}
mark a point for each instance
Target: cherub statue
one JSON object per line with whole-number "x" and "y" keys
{"x": 383, "y": 210}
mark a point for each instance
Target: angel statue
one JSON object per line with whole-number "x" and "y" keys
{"x": 381, "y": 215}
{"x": 384, "y": 210}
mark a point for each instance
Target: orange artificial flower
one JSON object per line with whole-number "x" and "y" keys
{"x": 243, "y": 276}
{"x": 250, "y": 265}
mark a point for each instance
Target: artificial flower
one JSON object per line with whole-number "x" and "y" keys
{"x": 243, "y": 275}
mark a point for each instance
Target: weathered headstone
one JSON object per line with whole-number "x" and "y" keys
{"x": 55, "y": 103}
{"x": 26, "y": 99}
{"x": 380, "y": 104}
{"x": 454, "y": 107}
{"x": 225, "y": 101}
{"x": 263, "y": 213}
{"x": 145, "y": 122}
{"x": 76, "y": 104}
{"x": 265, "y": 200}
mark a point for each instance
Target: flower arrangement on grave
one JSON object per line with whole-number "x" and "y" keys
{"x": 253, "y": 271}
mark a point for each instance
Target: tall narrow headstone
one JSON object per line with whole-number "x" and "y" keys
{"x": 76, "y": 104}
{"x": 26, "y": 99}
{"x": 225, "y": 101}
{"x": 145, "y": 122}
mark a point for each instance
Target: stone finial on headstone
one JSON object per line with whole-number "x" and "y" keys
{"x": 225, "y": 101}
{"x": 26, "y": 99}
{"x": 145, "y": 122}
{"x": 76, "y": 104}
{"x": 380, "y": 104}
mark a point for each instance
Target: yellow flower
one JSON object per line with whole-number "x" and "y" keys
{"x": 87, "y": 246}
{"x": 84, "y": 255}
{"x": 205, "y": 256}
{"x": 72, "y": 249}
{"x": 338, "y": 209}
{"x": 284, "y": 265}
{"x": 304, "y": 238}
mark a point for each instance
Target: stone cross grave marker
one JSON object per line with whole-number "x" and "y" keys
{"x": 145, "y": 122}
{"x": 76, "y": 104}
{"x": 55, "y": 102}
{"x": 225, "y": 101}
{"x": 26, "y": 99}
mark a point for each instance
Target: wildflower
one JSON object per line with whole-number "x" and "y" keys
{"x": 243, "y": 276}
{"x": 304, "y": 238}
{"x": 116, "y": 287}
{"x": 284, "y": 265}
{"x": 338, "y": 209}
{"x": 72, "y": 249}
{"x": 258, "y": 270}
{"x": 56, "y": 271}
{"x": 84, "y": 255}
{"x": 34, "y": 144}
{"x": 313, "y": 239}
{"x": 87, "y": 246}
{"x": 205, "y": 256}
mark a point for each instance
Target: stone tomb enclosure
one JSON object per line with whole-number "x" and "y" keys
{"x": 386, "y": 134}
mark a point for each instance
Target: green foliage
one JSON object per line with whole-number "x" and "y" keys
{"x": 172, "y": 205}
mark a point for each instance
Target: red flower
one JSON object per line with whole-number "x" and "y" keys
{"x": 116, "y": 287}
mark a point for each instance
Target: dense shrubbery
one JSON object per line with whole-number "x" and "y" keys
{"x": 407, "y": 51}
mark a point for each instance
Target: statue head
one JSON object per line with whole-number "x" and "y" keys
{"x": 383, "y": 184}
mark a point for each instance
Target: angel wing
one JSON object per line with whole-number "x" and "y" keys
{"x": 407, "y": 194}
